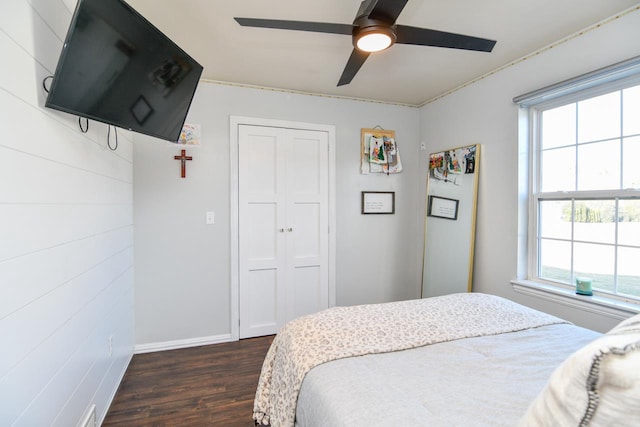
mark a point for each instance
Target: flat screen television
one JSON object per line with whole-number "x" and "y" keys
{"x": 117, "y": 68}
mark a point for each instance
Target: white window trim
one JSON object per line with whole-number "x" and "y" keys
{"x": 590, "y": 84}
{"x": 604, "y": 306}
{"x": 615, "y": 72}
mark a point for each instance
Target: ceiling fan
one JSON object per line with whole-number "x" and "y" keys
{"x": 373, "y": 30}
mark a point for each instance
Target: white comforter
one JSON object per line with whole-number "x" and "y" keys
{"x": 485, "y": 381}
{"x": 342, "y": 332}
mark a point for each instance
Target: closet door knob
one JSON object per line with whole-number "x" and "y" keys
{"x": 281, "y": 230}
{"x": 289, "y": 230}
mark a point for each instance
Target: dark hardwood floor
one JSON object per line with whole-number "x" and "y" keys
{"x": 202, "y": 386}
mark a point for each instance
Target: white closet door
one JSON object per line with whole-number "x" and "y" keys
{"x": 307, "y": 218}
{"x": 283, "y": 226}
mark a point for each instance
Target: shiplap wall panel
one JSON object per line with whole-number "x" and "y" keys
{"x": 72, "y": 186}
{"x": 87, "y": 386}
{"x": 121, "y": 348}
{"x": 31, "y": 32}
{"x": 61, "y": 142}
{"x": 57, "y": 13}
{"x": 50, "y": 374}
{"x": 85, "y": 391}
{"x": 39, "y": 227}
{"x": 29, "y": 327}
{"x": 22, "y": 78}
{"x": 66, "y": 236}
{"x": 69, "y": 372}
{"x": 58, "y": 265}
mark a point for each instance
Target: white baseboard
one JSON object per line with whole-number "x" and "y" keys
{"x": 89, "y": 418}
{"x": 112, "y": 395}
{"x": 186, "y": 343}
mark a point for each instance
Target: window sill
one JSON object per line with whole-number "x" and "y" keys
{"x": 609, "y": 307}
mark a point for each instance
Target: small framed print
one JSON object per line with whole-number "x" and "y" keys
{"x": 443, "y": 207}
{"x": 378, "y": 202}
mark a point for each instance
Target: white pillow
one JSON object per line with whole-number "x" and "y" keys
{"x": 598, "y": 385}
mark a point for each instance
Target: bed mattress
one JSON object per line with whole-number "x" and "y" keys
{"x": 482, "y": 381}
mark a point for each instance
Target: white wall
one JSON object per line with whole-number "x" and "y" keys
{"x": 183, "y": 265}
{"x": 66, "y": 237}
{"x": 483, "y": 113}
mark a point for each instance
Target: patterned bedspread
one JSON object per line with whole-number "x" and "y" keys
{"x": 341, "y": 332}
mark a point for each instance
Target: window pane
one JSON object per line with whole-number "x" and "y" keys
{"x": 595, "y": 221}
{"x": 559, "y": 126}
{"x": 629, "y": 223}
{"x": 555, "y": 260}
{"x": 596, "y": 262}
{"x": 631, "y": 109}
{"x": 599, "y": 117}
{"x": 599, "y": 166}
{"x": 629, "y": 271}
{"x": 555, "y": 219}
{"x": 631, "y": 168}
{"x": 585, "y": 150}
{"x": 558, "y": 169}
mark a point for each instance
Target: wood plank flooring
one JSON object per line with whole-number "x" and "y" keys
{"x": 202, "y": 386}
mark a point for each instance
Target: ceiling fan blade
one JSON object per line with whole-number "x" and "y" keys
{"x": 387, "y": 10}
{"x": 354, "y": 63}
{"x": 427, "y": 37}
{"x": 317, "y": 27}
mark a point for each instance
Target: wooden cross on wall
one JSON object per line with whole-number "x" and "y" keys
{"x": 183, "y": 162}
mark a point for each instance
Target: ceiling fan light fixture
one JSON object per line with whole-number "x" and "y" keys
{"x": 374, "y": 38}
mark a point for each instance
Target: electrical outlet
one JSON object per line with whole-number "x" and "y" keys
{"x": 423, "y": 146}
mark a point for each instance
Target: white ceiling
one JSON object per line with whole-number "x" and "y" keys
{"x": 405, "y": 74}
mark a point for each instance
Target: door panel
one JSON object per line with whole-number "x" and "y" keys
{"x": 261, "y": 248}
{"x": 307, "y": 219}
{"x": 306, "y": 291}
{"x": 283, "y": 226}
{"x": 262, "y": 232}
{"x": 307, "y": 167}
{"x": 263, "y": 307}
{"x": 261, "y": 157}
{"x": 308, "y": 215}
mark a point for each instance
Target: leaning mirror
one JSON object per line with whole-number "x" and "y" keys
{"x": 452, "y": 188}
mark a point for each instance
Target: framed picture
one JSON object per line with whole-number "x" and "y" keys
{"x": 141, "y": 109}
{"x": 378, "y": 151}
{"x": 378, "y": 202}
{"x": 443, "y": 207}
{"x": 190, "y": 135}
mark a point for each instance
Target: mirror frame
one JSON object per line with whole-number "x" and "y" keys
{"x": 450, "y": 222}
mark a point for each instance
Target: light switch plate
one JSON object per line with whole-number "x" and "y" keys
{"x": 211, "y": 218}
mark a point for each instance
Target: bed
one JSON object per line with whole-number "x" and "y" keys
{"x": 456, "y": 360}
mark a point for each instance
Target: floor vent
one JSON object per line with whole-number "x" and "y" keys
{"x": 89, "y": 420}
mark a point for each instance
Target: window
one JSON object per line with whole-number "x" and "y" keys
{"x": 584, "y": 214}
